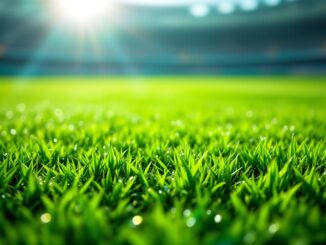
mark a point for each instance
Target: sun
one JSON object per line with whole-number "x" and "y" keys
{"x": 81, "y": 11}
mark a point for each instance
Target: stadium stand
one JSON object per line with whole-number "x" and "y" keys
{"x": 137, "y": 37}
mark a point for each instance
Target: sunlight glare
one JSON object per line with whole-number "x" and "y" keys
{"x": 82, "y": 11}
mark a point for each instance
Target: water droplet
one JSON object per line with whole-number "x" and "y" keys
{"x": 218, "y": 218}
{"x": 209, "y": 212}
{"x": 262, "y": 138}
{"x": 58, "y": 112}
{"x": 13, "y": 131}
{"x": 21, "y": 107}
{"x": 191, "y": 222}
{"x": 273, "y": 228}
{"x": 55, "y": 140}
{"x": 71, "y": 127}
{"x": 3, "y": 196}
{"x": 137, "y": 220}
{"x": 186, "y": 213}
{"x": 177, "y": 123}
{"x": 46, "y": 218}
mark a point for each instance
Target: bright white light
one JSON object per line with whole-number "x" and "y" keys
{"x": 226, "y": 7}
{"x": 248, "y": 5}
{"x": 199, "y": 10}
{"x": 81, "y": 11}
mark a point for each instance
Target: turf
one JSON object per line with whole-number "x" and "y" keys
{"x": 174, "y": 160}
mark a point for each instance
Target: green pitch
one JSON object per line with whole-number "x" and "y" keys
{"x": 173, "y": 160}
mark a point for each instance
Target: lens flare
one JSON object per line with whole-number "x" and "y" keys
{"x": 81, "y": 11}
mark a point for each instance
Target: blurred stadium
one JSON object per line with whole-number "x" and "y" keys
{"x": 166, "y": 37}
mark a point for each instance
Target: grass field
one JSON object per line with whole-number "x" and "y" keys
{"x": 174, "y": 160}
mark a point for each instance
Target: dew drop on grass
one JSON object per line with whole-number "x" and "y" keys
{"x": 218, "y": 218}
{"x": 21, "y": 107}
{"x": 58, "y": 112}
{"x": 137, "y": 220}
{"x": 46, "y": 218}
{"x": 3, "y": 196}
{"x": 186, "y": 213}
{"x": 273, "y": 228}
{"x": 262, "y": 138}
{"x": 209, "y": 212}
{"x": 13, "y": 131}
{"x": 191, "y": 222}
{"x": 55, "y": 140}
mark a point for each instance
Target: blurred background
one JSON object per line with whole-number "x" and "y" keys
{"x": 49, "y": 37}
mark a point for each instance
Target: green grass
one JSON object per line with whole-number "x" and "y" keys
{"x": 173, "y": 160}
